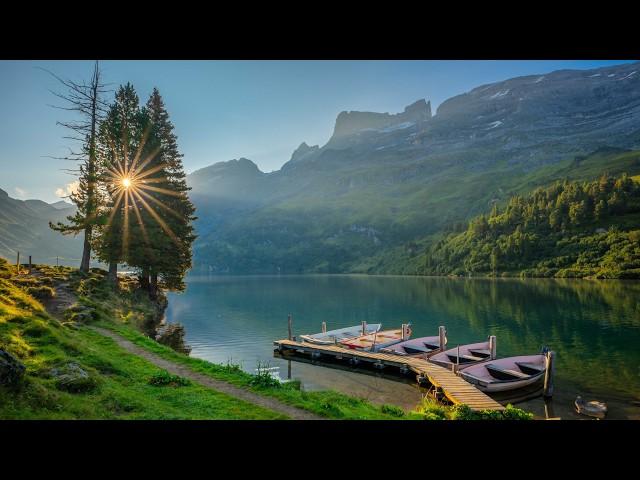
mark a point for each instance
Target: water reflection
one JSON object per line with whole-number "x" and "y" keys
{"x": 594, "y": 326}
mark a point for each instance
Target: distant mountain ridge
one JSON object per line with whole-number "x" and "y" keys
{"x": 24, "y": 228}
{"x": 383, "y": 181}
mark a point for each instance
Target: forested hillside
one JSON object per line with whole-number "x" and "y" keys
{"x": 570, "y": 229}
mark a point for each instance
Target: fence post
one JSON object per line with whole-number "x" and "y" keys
{"x": 289, "y": 321}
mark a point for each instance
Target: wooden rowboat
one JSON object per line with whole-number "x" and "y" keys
{"x": 422, "y": 347}
{"x": 334, "y": 336}
{"x": 373, "y": 342}
{"x": 506, "y": 374}
{"x": 470, "y": 354}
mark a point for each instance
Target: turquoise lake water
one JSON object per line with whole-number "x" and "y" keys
{"x": 593, "y": 326}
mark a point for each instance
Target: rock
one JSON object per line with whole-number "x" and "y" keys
{"x": 172, "y": 335}
{"x": 11, "y": 370}
{"x": 592, "y": 408}
{"x": 72, "y": 378}
{"x": 80, "y": 314}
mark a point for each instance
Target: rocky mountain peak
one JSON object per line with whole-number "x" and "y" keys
{"x": 349, "y": 123}
{"x": 303, "y": 151}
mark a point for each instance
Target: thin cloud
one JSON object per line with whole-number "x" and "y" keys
{"x": 20, "y": 192}
{"x": 68, "y": 189}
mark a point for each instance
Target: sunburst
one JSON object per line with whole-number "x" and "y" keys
{"x": 128, "y": 183}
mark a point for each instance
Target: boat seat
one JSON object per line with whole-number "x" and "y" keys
{"x": 431, "y": 346}
{"x": 530, "y": 368}
{"x": 464, "y": 358}
{"x": 481, "y": 352}
{"x": 512, "y": 373}
{"x": 413, "y": 350}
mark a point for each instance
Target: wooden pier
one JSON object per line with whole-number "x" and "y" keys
{"x": 453, "y": 387}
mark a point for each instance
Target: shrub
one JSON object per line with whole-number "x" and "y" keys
{"x": 41, "y": 292}
{"x": 392, "y": 410}
{"x": 164, "y": 378}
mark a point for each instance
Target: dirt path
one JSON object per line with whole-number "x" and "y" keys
{"x": 65, "y": 297}
{"x": 219, "y": 385}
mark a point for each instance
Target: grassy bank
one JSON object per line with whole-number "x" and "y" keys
{"x": 120, "y": 385}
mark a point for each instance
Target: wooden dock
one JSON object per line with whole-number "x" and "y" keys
{"x": 453, "y": 387}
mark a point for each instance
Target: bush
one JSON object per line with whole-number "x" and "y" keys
{"x": 392, "y": 410}
{"x": 41, "y": 292}
{"x": 164, "y": 378}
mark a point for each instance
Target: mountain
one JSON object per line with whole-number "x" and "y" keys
{"x": 24, "y": 227}
{"x": 384, "y": 183}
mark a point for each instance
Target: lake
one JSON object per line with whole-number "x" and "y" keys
{"x": 593, "y": 326}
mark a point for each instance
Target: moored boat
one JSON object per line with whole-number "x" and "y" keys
{"x": 373, "y": 342}
{"x": 464, "y": 356}
{"x": 420, "y": 347}
{"x": 505, "y": 374}
{"x": 337, "y": 335}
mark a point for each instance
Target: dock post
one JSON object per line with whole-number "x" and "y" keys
{"x": 364, "y": 327}
{"x": 441, "y": 335}
{"x": 549, "y": 373}
{"x": 404, "y": 329}
{"x": 492, "y": 346}
{"x": 457, "y": 365}
{"x": 289, "y": 320}
{"x": 324, "y": 327}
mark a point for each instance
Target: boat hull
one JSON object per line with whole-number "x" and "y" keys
{"x": 374, "y": 341}
{"x": 334, "y": 336}
{"x": 446, "y": 359}
{"x": 417, "y": 347}
{"x": 505, "y": 374}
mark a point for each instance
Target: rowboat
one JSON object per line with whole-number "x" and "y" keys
{"x": 505, "y": 374}
{"x": 470, "y": 354}
{"x": 373, "y": 342}
{"x": 422, "y": 347}
{"x": 334, "y": 336}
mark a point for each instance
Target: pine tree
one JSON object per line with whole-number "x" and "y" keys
{"x": 180, "y": 210}
{"x": 120, "y": 139}
{"x": 162, "y": 208}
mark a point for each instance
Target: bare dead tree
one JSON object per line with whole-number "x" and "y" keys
{"x": 85, "y": 99}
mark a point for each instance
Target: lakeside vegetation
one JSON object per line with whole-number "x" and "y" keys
{"x": 569, "y": 230}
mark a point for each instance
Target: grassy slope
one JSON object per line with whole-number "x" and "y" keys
{"x": 122, "y": 388}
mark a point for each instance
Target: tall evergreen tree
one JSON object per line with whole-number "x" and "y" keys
{"x": 120, "y": 139}
{"x": 164, "y": 195}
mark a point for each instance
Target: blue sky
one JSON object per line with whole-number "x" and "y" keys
{"x": 222, "y": 110}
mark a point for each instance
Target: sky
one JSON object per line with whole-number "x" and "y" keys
{"x": 222, "y": 110}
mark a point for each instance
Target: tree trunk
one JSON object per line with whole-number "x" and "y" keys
{"x": 86, "y": 250}
{"x": 144, "y": 279}
{"x": 153, "y": 286}
{"x": 113, "y": 273}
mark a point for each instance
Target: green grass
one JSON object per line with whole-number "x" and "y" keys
{"x": 328, "y": 403}
{"x": 124, "y": 386}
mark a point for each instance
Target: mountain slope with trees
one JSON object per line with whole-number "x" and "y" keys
{"x": 371, "y": 198}
{"x": 570, "y": 229}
